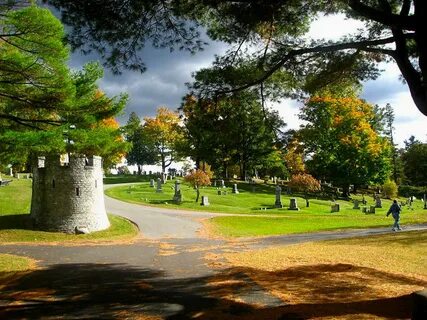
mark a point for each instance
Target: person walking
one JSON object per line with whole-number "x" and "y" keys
{"x": 395, "y": 212}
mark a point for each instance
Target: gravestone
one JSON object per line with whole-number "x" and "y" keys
{"x": 278, "y": 203}
{"x": 152, "y": 183}
{"x": 205, "y": 201}
{"x": 222, "y": 183}
{"x": 378, "y": 203}
{"x": 356, "y": 204}
{"x": 235, "y": 190}
{"x": 177, "y": 197}
{"x": 293, "y": 204}
{"x": 159, "y": 186}
{"x": 219, "y": 192}
{"x": 371, "y": 210}
{"x": 335, "y": 207}
{"x": 11, "y": 171}
{"x": 253, "y": 184}
{"x": 364, "y": 202}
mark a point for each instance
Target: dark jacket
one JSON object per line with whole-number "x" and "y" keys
{"x": 394, "y": 210}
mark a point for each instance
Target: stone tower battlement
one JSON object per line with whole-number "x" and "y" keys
{"x": 70, "y": 196}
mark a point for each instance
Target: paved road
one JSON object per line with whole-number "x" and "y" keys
{"x": 158, "y": 223}
{"x": 171, "y": 271}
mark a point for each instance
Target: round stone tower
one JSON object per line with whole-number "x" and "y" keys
{"x": 68, "y": 197}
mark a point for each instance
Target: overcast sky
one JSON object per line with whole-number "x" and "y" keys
{"x": 163, "y": 84}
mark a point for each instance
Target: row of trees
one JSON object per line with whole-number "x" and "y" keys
{"x": 344, "y": 140}
{"x": 235, "y": 132}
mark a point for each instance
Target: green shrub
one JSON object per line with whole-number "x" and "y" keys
{"x": 389, "y": 189}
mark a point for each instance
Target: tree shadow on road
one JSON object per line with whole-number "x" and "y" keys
{"x": 117, "y": 291}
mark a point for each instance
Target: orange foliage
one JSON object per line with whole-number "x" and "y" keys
{"x": 304, "y": 182}
{"x": 198, "y": 178}
{"x": 110, "y": 123}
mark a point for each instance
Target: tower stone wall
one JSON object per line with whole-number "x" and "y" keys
{"x": 68, "y": 196}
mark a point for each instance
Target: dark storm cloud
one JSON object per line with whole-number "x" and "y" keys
{"x": 163, "y": 84}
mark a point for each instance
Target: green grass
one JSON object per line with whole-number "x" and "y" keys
{"x": 294, "y": 223}
{"x": 16, "y": 197}
{"x": 13, "y": 230}
{"x": 11, "y": 263}
{"x": 272, "y": 221}
{"x": 128, "y": 178}
{"x": 14, "y": 221}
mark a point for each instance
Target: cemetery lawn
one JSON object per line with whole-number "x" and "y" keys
{"x": 252, "y": 221}
{"x": 15, "y": 202}
{"x": 11, "y": 263}
{"x": 358, "y": 278}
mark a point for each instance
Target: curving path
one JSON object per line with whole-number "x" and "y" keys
{"x": 158, "y": 223}
{"x": 171, "y": 271}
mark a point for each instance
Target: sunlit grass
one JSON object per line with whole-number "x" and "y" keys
{"x": 14, "y": 221}
{"x": 260, "y": 218}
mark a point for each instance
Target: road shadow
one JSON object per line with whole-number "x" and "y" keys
{"x": 118, "y": 291}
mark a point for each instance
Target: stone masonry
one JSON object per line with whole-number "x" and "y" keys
{"x": 67, "y": 197}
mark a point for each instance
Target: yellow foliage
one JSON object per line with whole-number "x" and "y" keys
{"x": 164, "y": 127}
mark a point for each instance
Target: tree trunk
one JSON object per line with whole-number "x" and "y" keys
{"x": 307, "y": 203}
{"x": 197, "y": 194}
{"x": 139, "y": 169}
{"x": 225, "y": 170}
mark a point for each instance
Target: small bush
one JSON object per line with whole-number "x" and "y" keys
{"x": 389, "y": 190}
{"x": 304, "y": 182}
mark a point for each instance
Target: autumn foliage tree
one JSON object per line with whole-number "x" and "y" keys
{"x": 165, "y": 134}
{"x": 117, "y": 147}
{"x": 342, "y": 140}
{"x": 198, "y": 178}
{"x": 304, "y": 183}
{"x": 294, "y": 157}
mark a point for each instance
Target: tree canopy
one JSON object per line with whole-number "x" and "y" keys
{"x": 44, "y": 107}
{"x": 275, "y": 30}
{"x": 234, "y": 130}
{"x": 142, "y": 151}
{"x": 163, "y": 134}
{"x": 342, "y": 142}
{"x": 415, "y": 164}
